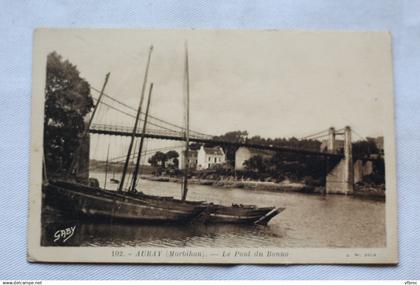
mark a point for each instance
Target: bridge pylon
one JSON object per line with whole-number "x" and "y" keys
{"x": 331, "y": 140}
{"x": 341, "y": 178}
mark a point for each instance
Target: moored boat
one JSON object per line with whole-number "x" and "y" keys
{"x": 77, "y": 199}
{"x": 131, "y": 205}
{"x": 214, "y": 213}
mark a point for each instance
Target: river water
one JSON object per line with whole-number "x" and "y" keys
{"x": 308, "y": 221}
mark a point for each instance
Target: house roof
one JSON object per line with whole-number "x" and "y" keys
{"x": 217, "y": 150}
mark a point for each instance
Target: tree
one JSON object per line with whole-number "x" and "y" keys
{"x": 363, "y": 149}
{"x": 235, "y": 136}
{"x": 158, "y": 159}
{"x": 67, "y": 102}
{"x": 173, "y": 157}
{"x": 258, "y": 164}
{"x": 172, "y": 154}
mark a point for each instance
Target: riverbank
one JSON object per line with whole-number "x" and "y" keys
{"x": 284, "y": 186}
{"x": 245, "y": 184}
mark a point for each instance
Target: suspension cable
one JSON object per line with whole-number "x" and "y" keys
{"x": 315, "y": 134}
{"x": 150, "y": 116}
{"x": 140, "y": 119}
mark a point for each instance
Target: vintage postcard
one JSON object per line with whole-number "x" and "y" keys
{"x": 212, "y": 146}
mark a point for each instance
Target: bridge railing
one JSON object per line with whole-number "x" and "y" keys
{"x": 127, "y": 129}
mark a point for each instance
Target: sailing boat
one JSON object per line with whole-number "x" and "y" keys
{"x": 211, "y": 213}
{"x": 78, "y": 199}
{"x": 219, "y": 213}
{"x": 131, "y": 205}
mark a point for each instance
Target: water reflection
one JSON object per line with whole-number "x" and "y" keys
{"x": 308, "y": 221}
{"x": 105, "y": 234}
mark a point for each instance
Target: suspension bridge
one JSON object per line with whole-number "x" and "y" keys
{"x": 179, "y": 136}
{"x": 165, "y": 130}
{"x": 340, "y": 179}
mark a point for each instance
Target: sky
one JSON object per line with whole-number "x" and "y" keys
{"x": 270, "y": 83}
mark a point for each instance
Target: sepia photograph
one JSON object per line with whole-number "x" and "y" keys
{"x": 212, "y": 146}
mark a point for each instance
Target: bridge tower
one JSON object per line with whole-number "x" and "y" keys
{"x": 331, "y": 140}
{"x": 341, "y": 178}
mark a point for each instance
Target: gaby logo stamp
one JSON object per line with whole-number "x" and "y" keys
{"x": 64, "y": 234}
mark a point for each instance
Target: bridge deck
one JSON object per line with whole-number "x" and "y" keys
{"x": 179, "y": 136}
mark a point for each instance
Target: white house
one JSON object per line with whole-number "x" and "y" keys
{"x": 209, "y": 156}
{"x": 242, "y": 154}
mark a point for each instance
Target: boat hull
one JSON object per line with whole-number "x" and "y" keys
{"x": 238, "y": 214}
{"x": 94, "y": 203}
{"x": 212, "y": 213}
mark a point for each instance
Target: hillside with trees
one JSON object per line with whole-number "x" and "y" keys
{"x": 293, "y": 166}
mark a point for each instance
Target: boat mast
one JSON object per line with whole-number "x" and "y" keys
{"x": 75, "y": 158}
{"x": 133, "y": 134}
{"x": 113, "y": 170}
{"x": 137, "y": 168}
{"x": 187, "y": 123}
{"x": 106, "y": 166}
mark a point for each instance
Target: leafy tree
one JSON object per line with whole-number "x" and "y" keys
{"x": 67, "y": 102}
{"x": 235, "y": 136}
{"x": 258, "y": 164}
{"x": 158, "y": 159}
{"x": 363, "y": 149}
{"x": 378, "y": 174}
{"x": 173, "y": 156}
